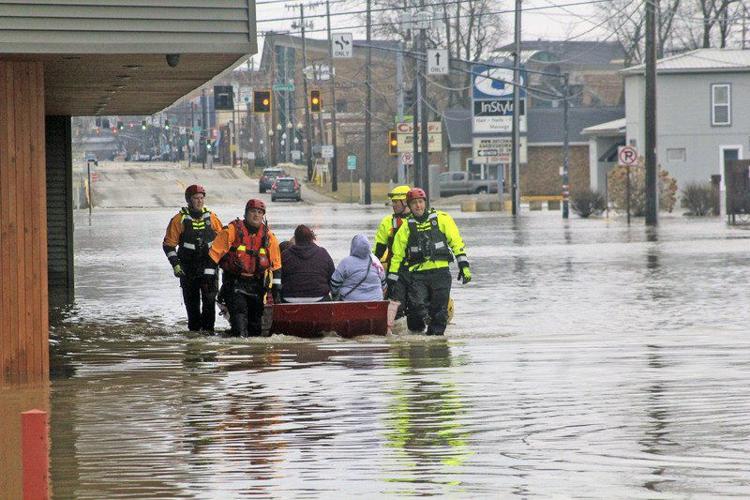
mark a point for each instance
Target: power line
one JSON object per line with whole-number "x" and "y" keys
{"x": 442, "y": 18}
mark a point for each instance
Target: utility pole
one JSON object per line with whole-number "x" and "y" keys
{"x": 204, "y": 129}
{"x": 425, "y": 154}
{"x": 401, "y": 175}
{"x": 190, "y": 135}
{"x": 368, "y": 106}
{"x": 566, "y": 149}
{"x": 415, "y": 121}
{"x": 308, "y": 123}
{"x": 334, "y": 162}
{"x": 652, "y": 205}
{"x": 515, "y": 157}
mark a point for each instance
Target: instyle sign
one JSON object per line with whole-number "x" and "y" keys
{"x": 494, "y": 83}
{"x": 499, "y": 107}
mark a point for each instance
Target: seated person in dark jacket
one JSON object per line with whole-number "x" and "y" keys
{"x": 307, "y": 269}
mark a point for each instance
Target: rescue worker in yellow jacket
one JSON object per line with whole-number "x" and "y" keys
{"x": 193, "y": 230}
{"x": 384, "y": 242}
{"x": 426, "y": 245}
{"x": 248, "y": 252}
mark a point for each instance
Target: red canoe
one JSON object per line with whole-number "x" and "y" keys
{"x": 347, "y": 319}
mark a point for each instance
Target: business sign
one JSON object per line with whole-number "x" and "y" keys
{"x": 326, "y": 151}
{"x": 406, "y": 143}
{"x": 497, "y": 150}
{"x": 498, "y": 107}
{"x": 497, "y": 124}
{"x": 495, "y": 83}
{"x": 408, "y": 127}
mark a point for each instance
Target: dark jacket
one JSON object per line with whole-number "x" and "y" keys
{"x": 307, "y": 271}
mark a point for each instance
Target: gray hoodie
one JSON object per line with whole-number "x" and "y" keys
{"x": 353, "y": 269}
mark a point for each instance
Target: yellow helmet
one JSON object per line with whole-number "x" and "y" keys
{"x": 399, "y": 193}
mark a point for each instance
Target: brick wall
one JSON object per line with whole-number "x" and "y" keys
{"x": 541, "y": 175}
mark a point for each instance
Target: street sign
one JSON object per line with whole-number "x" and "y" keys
{"x": 250, "y": 155}
{"x": 341, "y": 45}
{"x": 437, "y": 62}
{"x": 283, "y": 87}
{"x": 627, "y": 156}
{"x": 296, "y": 154}
{"x": 326, "y": 151}
{"x": 351, "y": 162}
{"x": 407, "y": 158}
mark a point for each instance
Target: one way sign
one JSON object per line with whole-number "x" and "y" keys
{"x": 341, "y": 45}
{"x": 437, "y": 61}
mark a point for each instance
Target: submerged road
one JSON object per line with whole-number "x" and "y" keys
{"x": 586, "y": 359}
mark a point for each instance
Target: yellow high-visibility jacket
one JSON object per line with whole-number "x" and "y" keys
{"x": 401, "y": 243}
{"x": 384, "y": 237}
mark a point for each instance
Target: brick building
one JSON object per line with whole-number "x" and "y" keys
{"x": 282, "y": 65}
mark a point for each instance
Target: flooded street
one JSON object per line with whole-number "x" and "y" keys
{"x": 586, "y": 359}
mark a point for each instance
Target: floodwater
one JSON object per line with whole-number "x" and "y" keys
{"x": 586, "y": 359}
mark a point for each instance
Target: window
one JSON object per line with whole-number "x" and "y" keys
{"x": 721, "y": 104}
{"x": 458, "y": 176}
{"x": 676, "y": 154}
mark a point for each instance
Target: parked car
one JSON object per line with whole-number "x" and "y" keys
{"x": 268, "y": 177}
{"x": 463, "y": 183}
{"x": 286, "y": 188}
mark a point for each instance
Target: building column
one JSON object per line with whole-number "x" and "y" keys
{"x": 59, "y": 170}
{"x": 24, "y": 308}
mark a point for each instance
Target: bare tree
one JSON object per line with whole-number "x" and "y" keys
{"x": 629, "y": 26}
{"x": 470, "y": 30}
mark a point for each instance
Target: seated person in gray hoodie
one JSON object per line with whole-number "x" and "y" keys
{"x": 360, "y": 276}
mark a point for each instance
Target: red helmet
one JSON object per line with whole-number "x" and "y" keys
{"x": 415, "y": 193}
{"x": 194, "y": 189}
{"x": 255, "y": 203}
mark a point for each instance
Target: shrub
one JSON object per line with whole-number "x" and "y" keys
{"x": 699, "y": 198}
{"x": 666, "y": 186}
{"x": 586, "y": 202}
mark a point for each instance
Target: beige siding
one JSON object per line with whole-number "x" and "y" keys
{"x": 120, "y": 26}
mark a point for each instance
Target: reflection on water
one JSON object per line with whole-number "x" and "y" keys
{"x": 587, "y": 358}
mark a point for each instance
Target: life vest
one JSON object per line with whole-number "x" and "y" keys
{"x": 196, "y": 232}
{"x": 248, "y": 254}
{"x": 396, "y": 222}
{"x": 426, "y": 241}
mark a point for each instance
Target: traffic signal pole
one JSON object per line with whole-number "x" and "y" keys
{"x": 425, "y": 154}
{"x": 308, "y": 123}
{"x": 368, "y": 108}
{"x": 515, "y": 156}
{"x": 334, "y": 163}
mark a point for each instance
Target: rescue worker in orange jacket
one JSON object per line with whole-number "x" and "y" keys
{"x": 248, "y": 252}
{"x": 193, "y": 229}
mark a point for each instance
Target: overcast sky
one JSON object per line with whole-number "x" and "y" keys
{"x": 557, "y": 22}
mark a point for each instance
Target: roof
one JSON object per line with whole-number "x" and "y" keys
{"x": 321, "y": 45}
{"x": 458, "y": 127}
{"x": 700, "y": 61}
{"x": 615, "y": 127}
{"x": 545, "y": 125}
{"x": 580, "y": 53}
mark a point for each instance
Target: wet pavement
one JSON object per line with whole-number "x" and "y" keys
{"x": 586, "y": 359}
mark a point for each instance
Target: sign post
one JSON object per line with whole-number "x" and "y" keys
{"x": 627, "y": 156}
{"x": 351, "y": 166}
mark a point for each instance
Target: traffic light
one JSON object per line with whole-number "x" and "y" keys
{"x": 315, "y": 102}
{"x": 392, "y": 143}
{"x": 143, "y": 125}
{"x": 223, "y": 97}
{"x": 262, "y": 101}
{"x": 166, "y": 124}
{"x": 120, "y": 126}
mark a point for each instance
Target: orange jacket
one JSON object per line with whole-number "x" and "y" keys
{"x": 175, "y": 227}
{"x": 226, "y": 237}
